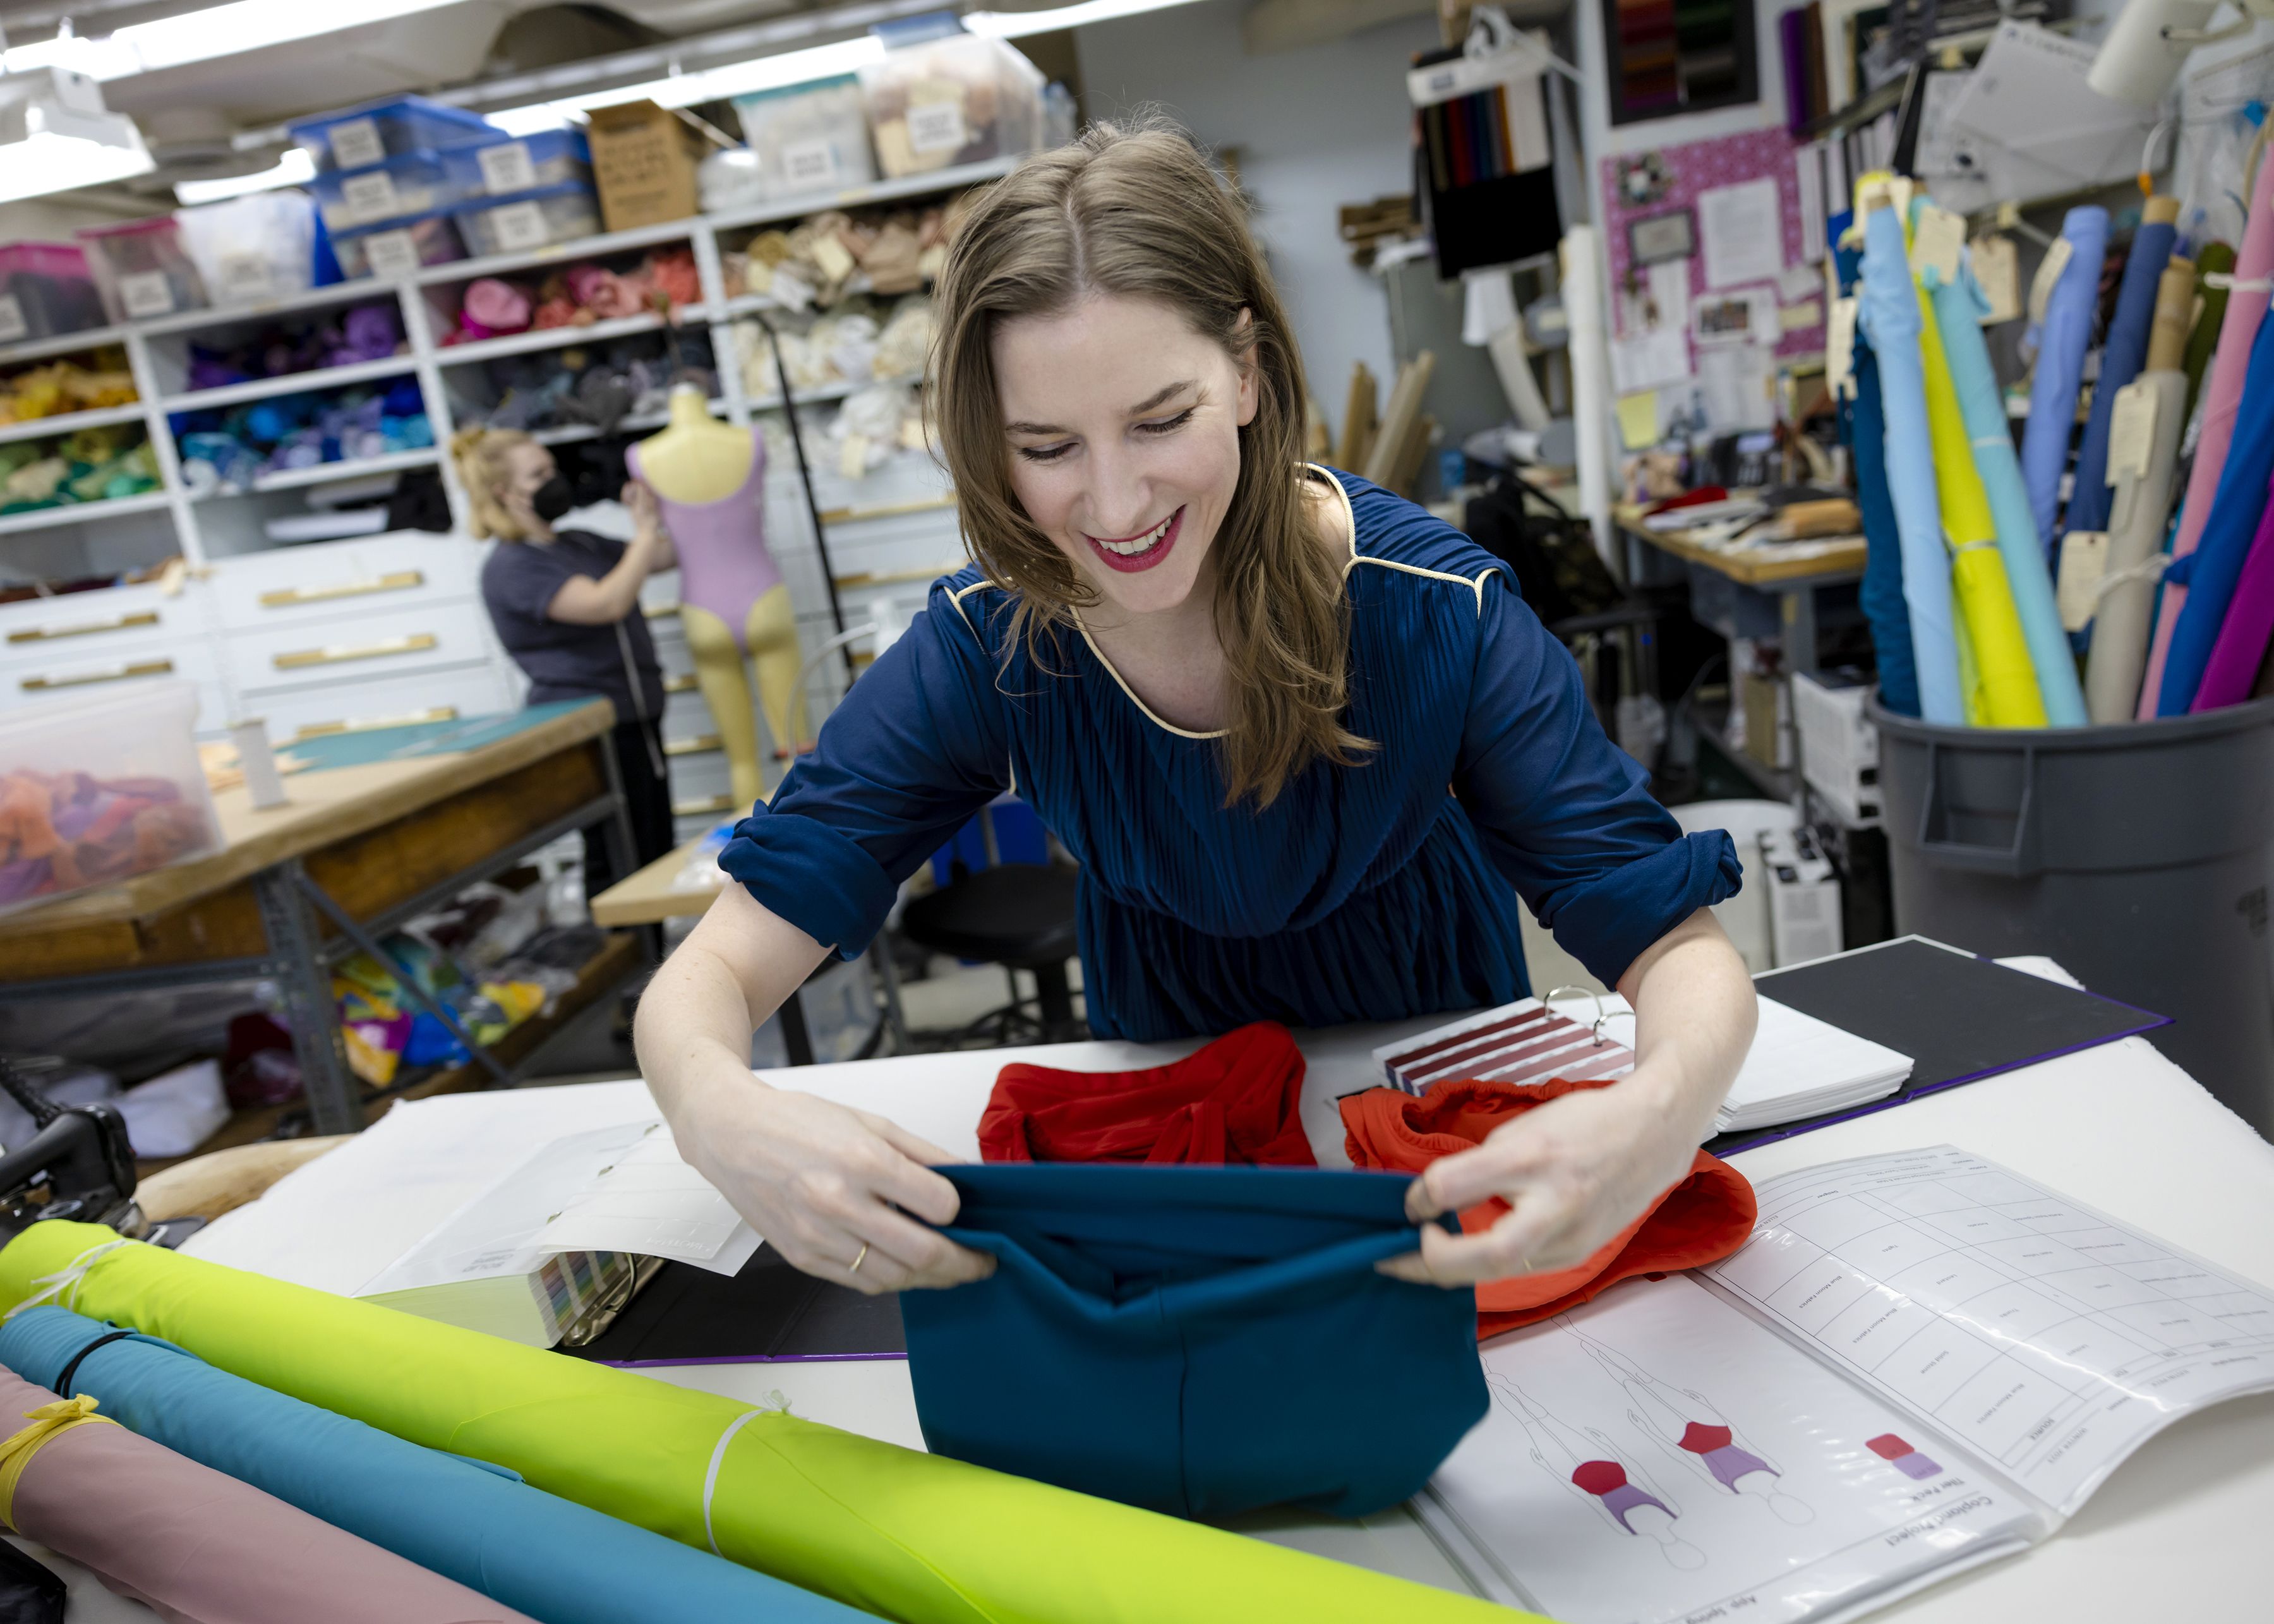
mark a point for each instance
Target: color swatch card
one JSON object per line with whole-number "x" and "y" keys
{"x": 1521, "y": 1042}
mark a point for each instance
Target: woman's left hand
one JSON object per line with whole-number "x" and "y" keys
{"x": 1574, "y": 1171}
{"x": 639, "y": 501}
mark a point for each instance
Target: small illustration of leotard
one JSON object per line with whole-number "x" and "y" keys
{"x": 1607, "y": 1481}
{"x": 1902, "y": 1456}
{"x": 1722, "y": 1455}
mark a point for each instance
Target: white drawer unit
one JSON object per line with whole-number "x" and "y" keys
{"x": 343, "y": 579}
{"x": 186, "y": 659}
{"x": 368, "y": 648}
{"x": 700, "y": 777}
{"x": 354, "y": 706}
{"x": 117, "y": 623}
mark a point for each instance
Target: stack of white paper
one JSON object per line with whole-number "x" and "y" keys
{"x": 1800, "y": 1066}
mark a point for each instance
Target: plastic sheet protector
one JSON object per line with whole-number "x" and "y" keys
{"x": 1920, "y": 1362}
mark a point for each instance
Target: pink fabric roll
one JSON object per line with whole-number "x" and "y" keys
{"x": 200, "y": 1547}
{"x": 2222, "y": 397}
{"x": 2242, "y": 636}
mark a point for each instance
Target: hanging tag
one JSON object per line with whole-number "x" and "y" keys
{"x": 1998, "y": 267}
{"x": 1936, "y": 239}
{"x": 2131, "y": 432}
{"x": 2084, "y": 560}
{"x": 2056, "y": 261}
{"x": 1840, "y": 350}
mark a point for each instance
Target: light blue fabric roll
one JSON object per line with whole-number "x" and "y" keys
{"x": 551, "y": 1559}
{"x": 2061, "y": 341}
{"x": 2121, "y": 355}
{"x": 1958, "y": 309}
{"x": 1889, "y": 312}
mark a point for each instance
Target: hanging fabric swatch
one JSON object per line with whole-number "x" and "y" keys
{"x": 196, "y": 1545}
{"x": 2243, "y": 637}
{"x": 1958, "y": 309}
{"x": 1485, "y": 164}
{"x": 452, "y": 1515}
{"x": 1176, "y": 1337}
{"x": 2222, "y": 396}
{"x": 1863, "y": 429}
{"x": 2121, "y": 354}
{"x": 1890, "y": 318}
{"x": 2142, "y": 470}
{"x": 2062, "y": 332}
{"x": 902, "y": 1534}
{"x": 2215, "y": 260}
{"x": 2210, "y": 571}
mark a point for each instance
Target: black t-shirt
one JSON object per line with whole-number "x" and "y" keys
{"x": 566, "y": 661}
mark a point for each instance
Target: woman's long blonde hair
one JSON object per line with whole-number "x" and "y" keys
{"x": 480, "y": 455}
{"x": 1138, "y": 212}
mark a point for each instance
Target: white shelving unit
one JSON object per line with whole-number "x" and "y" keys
{"x": 888, "y": 532}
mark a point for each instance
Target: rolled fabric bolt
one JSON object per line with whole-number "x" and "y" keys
{"x": 2212, "y": 570}
{"x": 2062, "y": 339}
{"x": 2121, "y": 355}
{"x": 2243, "y": 635}
{"x": 2217, "y": 259}
{"x": 257, "y": 763}
{"x": 1591, "y": 380}
{"x": 1959, "y": 307}
{"x": 1890, "y": 315}
{"x": 2144, "y": 502}
{"x": 2222, "y": 399}
{"x": 1863, "y": 420}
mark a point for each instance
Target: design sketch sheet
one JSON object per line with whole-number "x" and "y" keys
{"x": 1657, "y": 1455}
{"x": 2044, "y": 1336}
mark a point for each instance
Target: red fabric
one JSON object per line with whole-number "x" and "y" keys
{"x": 1704, "y": 1217}
{"x": 1600, "y": 1476}
{"x": 1236, "y": 1101}
{"x": 1699, "y": 1438}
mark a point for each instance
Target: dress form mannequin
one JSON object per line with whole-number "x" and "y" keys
{"x": 709, "y": 477}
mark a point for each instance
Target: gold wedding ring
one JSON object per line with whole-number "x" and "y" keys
{"x": 859, "y": 1260}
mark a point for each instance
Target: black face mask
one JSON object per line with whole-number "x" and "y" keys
{"x": 551, "y": 500}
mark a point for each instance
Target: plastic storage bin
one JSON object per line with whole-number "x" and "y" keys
{"x": 399, "y": 247}
{"x": 99, "y": 789}
{"x": 253, "y": 248}
{"x": 415, "y": 182}
{"x": 143, "y": 268}
{"x": 956, "y": 99}
{"x": 534, "y": 220}
{"x": 362, "y": 136}
{"x": 809, "y": 140}
{"x": 45, "y": 289}
{"x": 500, "y": 167}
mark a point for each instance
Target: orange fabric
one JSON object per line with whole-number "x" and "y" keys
{"x": 1701, "y": 1219}
{"x": 1238, "y": 1100}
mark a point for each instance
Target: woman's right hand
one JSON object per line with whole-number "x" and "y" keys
{"x": 820, "y": 1181}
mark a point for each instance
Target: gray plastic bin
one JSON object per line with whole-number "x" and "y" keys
{"x": 2138, "y": 855}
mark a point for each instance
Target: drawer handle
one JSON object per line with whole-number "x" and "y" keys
{"x": 697, "y": 808}
{"x": 373, "y": 723}
{"x": 701, "y": 744}
{"x": 117, "y": 623}
{"x": 117, "y": 673}
{"x": 401, "y": 580}
{"x": 683, "y": 683}
{"x": 339, "y": 653}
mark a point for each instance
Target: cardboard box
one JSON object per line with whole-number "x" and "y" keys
{"x": 644, "y": 162}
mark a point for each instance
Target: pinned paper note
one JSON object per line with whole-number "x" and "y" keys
{"x": 1800, "y": 318}
{"x": 1741, "y": 233}
{"x": 2041, "y": 290}
{"x": 2132, "y": 430}
{"x": 1937, "y": 236}
{"x": 1998, "y": 267}
{"x": 1638, "y": 420}
{"x": 1840, "y": 348}
{"x": 2084, "y": 561}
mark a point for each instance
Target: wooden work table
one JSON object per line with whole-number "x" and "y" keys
{"x": 1764, "y": 568}
{"x": 1727, "y": 587}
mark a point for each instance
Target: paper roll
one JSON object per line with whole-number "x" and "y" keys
{"x": 1591, "y": 385}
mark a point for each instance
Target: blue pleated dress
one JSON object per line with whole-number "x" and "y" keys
{"x": 1363, "y": 894}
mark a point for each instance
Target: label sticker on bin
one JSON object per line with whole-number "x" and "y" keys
{"x": 506, "y": 169}
{"x": 936, "y": 126}
{"x": 811, "y": 166}
{"x": 246, "y": 276}
{"x": 519, "y": 227}
{"x": 145, "y": 293}
{"x": 391, "y": 253}
{"x": 356, "y": 144}
{"x": 370, "y": 197}
{"x": 13, "y": 325}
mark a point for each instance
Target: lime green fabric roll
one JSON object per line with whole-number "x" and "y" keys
{"x": 913, "y": 1536}
{"x": 2008, "y": 682}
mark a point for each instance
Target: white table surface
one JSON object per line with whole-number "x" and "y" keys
{"x": 2179, "y": 1532}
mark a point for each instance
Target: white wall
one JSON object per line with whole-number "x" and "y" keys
{"x": 1316, "y": 128}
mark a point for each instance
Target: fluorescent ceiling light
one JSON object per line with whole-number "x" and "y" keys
{"x": 297, "y": 169}
{"x": 1020, "y": 25}
{"x": 55, "y": 135}
{"x": 199, "y": 36}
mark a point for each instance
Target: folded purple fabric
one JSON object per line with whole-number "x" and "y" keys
{"x": 200, "y": 1547}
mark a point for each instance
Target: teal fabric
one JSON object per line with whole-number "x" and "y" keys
{"x": 1196, "y": 1339}
{"x": 1369, "y": 892}
{"x": 1864, "y": 427}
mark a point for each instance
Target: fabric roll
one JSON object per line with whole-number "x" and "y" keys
{"x": 2062, "y": 339}
{"x": 2236, "y": 657}
{"x": 1889, "y": 312}
{"x": 1863, "y": 425}
{"x": 2222, "y": 397}
{"x": 2006, "y": 679}
{"x": 1237, "y": 1099}
{"x": 1701, "y": 1219}
{"x": 2215, "y": 260}
{"x": 1174, "y": 1335}
{"x": 1959, "y": 307}
{"x": 902, "y": 1534}
{"x": 537, "y": 1553}
{"x": 2122, "y": 354}
{"x": 200, "y": 1547}
{"x": 2137, "y": 520}
{"x": 2210, "y": 571}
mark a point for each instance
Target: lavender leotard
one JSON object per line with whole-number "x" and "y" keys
{"x": 1607, "y": 1481}
{"x": 1723, "y": 1458}
{"x": 724, "y": 567}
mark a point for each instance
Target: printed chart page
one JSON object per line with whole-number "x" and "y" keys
{"x": 1658, "y": 1455}
{"x": 2047, "y": 1338}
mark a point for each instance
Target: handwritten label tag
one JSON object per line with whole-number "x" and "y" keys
{"x": 2084, "y": 560}
{"x": 246, "y": 278}
{"x": 936, "y": 126}
{"x": 2049, "y": 272}
{"x": 2131, "y": 432}
{"x": 1936, "y": 241}
{"x": 145, "y": 293}
{"x": 391, "y": 253}
{"x": 356, "y": 144}
{"x": 809, "y": 166}
{"x": 370, "y": 197}
{"x": 1840, "y": 348}
{"x": 506, "y": 168}
{"x": 519, "y": 227}
{"x": 1998, "y": 267}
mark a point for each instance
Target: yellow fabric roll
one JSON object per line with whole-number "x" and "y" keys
{"x": 1970, "y": 676}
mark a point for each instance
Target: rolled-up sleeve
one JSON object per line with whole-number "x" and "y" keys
{"x": 1565, "y": 814}
{"x": 916, "y": 747}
